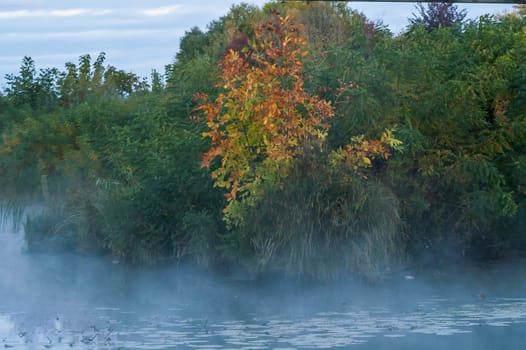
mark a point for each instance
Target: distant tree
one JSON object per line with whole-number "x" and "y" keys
{"x": 438, "y": 14}
{"x": 37, "y": 91}
{"x": 89, "y": 81}
{"x": 157, "y": 81}
{"x": 192, "y": 44}
{"x": 21, "y": 88}
{"x": 123, "y": 83}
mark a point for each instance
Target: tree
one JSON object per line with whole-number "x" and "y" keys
{"x": 438, "y": 14}
{"x": 87, "y": 81}
{"x": 263, "y": 118}
{"x": 38, "y": 91}
{"x": 192, "y": 44}
{"x": 460, "y": 101}
{"x": 157, "y": 81}
{"x": 21, "y": 89}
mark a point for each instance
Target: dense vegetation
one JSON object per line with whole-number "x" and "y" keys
{"x": 300, "y": 138}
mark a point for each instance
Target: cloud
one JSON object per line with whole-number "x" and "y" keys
{"x": 80, "y": 12}
{"x": 91, "y": 35}
{"x": 19, "y": 2}
{"x": 163, "y": 11}
{"x": 53, "y": 13}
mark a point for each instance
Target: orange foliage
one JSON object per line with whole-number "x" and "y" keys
{"x": 263, "y": 117}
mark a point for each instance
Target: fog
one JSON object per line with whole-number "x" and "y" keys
{"x": 71, "y": 301}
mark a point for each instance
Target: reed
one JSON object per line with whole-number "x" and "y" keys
{"x": 11, "y": 214}
{"x": 324, "y": 225}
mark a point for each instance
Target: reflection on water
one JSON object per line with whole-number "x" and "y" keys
{"x": 73, "y": 302}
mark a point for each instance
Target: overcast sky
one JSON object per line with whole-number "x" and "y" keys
{"x": 137, "y": 36}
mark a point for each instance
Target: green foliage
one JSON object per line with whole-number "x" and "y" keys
{"x": 202, "y": 231}
{"x": 192, "y": 45}
{"x": 31, "y": 90}
{"x": 158, "y": 180}
{"x": 351, "y": 74}
{"x": 188, "y": 78}
{"x": 88, "y": 81}
{"x": 454, "y": 96}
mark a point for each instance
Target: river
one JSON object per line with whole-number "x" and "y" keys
{"x": 77, "y": 302}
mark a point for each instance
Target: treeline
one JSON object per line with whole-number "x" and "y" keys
{"x": 300, "y": 138}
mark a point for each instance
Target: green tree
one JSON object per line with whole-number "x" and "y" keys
{"x": 193, "y": 44}
{"x": 29, "y": 89}
{"x": 453, "y": 94}
{"x": 92, "y": 81}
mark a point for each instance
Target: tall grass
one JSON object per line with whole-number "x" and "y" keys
{"x": 324, "y": 225}
{"x": 66, "y": 219}
{"x": 11, "y": 214}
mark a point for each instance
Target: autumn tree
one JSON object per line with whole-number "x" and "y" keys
{"x": 263, "y": 118}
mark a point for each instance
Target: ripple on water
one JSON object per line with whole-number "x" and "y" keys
{"x": 111, "y": 327}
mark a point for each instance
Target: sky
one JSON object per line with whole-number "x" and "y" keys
{"x": 136, "y": 36}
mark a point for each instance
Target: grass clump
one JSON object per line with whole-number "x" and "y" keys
{"x": 323, "y": 225}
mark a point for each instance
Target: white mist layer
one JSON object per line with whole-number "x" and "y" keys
{"x": 65, "y": 302}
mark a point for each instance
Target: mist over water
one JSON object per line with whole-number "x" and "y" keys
{"x": 68, "y": 301}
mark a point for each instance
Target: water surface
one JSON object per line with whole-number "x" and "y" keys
{"x": 75, "y": 302}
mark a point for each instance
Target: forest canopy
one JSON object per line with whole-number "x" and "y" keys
{"x": 300, "y": 138}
